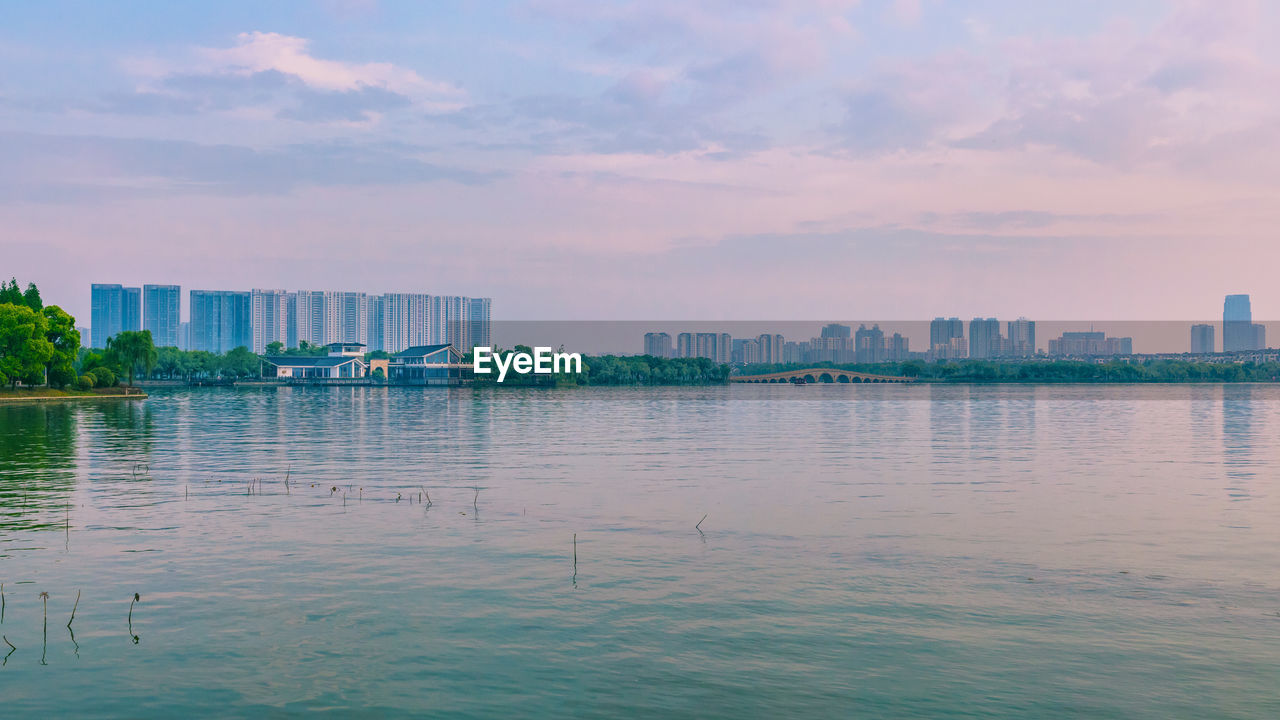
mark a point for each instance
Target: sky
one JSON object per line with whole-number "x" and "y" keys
{"x": 664, "y": 159}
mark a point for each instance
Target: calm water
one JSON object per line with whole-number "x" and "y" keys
{"x": 877, "y": 551}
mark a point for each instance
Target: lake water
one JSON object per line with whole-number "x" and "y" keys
{"x": 867, "y": 551}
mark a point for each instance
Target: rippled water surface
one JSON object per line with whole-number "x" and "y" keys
{"x": 867, "y": 551}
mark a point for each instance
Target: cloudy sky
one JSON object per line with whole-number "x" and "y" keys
{"x": 664, "y": 159}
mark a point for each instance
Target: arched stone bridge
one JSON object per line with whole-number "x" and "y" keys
{"x": 820, "y": 375}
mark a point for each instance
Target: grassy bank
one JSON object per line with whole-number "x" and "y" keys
{"x": 41, "y": 394}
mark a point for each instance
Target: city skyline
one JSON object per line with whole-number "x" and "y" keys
{"x": 221, "y": 320}
{"x": 755, "y": 160}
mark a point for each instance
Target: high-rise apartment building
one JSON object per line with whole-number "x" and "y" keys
{"x": 869, "y": 344}
{"x": 1202, "y": 341}
{"x": 374, "y": 323}
{"x": 896, "y": 348}
{"x": 1022, "y": 337}
{"x": 985, "y": 340}
{"x": 270, "y": 318}
{"x": 1090, "y": 344}
{"x": 481, "y": 321}
{"x": 113, "y": 308}
{"x": 131, "y": 309}
{"x": 161, "y": 308}
{"x": 221, "y": 320}
{"x": 713, "y": 346}
{"x": 657, "y": 344}
{"x": 942, "y": 330}
{"x": 771, "y": 347}
{"x": 836, "y": 331}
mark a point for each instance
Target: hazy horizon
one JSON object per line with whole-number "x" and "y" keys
{"x": 630, "y": 160}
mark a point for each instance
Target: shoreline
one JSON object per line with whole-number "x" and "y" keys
{"x": 18, "y": 399}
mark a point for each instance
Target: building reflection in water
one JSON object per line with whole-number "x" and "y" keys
{"x": 1239, "y": 438}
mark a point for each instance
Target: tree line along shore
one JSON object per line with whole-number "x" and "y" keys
{"x": 40, "y": 356}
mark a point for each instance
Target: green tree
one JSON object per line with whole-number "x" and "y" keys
{"x": 240, "y": 363}
{"x": 10, "y": 294}
{"x": 32, "y": 298}
{"x": 275, "y": 348}
{"x": 61, "y": 332}
{"x": 102, "y": 376}
{"x": 24, "y": 349}
{"x": 135, "y": 350}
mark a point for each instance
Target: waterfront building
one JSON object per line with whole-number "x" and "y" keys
{"x": 1202, "y": 341}
{"x": 184, "y": 336}
{"x": 344, "y": 361}
{"x": 1022, "y": 338}
{"x": 221, "y": 320}
{"x": 270, "y": 318}
{"x": 1090, "y": 344}
{"x": 439, "y": 364}
{"x": 84, "y": 336}
{"x": 657, "y": 344}
{"x": 161, "y": 307}
{"x": 113, "y": 308}
{"x": 1239, "y": 333}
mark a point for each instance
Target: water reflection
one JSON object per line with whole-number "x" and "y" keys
{"x": 1239, "y": 431}
{"x": 37, "y": 464}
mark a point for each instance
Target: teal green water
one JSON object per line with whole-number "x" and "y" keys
{"x": 868, "y": 551}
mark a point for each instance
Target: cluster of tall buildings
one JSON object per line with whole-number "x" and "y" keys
{"x": 947, "y": 339}
{"x": 835, "y": 343}
{"x": 1239, "y": 332}
{"x": 222, "y": 320}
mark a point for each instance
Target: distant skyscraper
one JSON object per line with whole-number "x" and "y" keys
{"x": 1202, "y": 342}
{"x": 481, "y": 319}
{"x": 869, "y": 344}
{"x": 1238, "y": 331}
{"x": 836, "y": 331}
{"x": 1022, "y": 337}
{"x": 161, "y": 306}
{"x": 406, "y": 321}
{"x": 312, "y": 319}
{"x": 1090, "y": 343}
{"x": 657, "y": 344}
{"x": 131, "y": 309}
{"x": 941, "y": 330}
{"x": 270, "y": 318}
{"x": 113, "y": 308}
{"x": 985, "y": 340}
{"x": 713, "y": 346}
{"x": 221, "y": 320}
{"x": 896, "y": 348}
{"x": 376, "y": 331}
{"x": 771, "y": 348}
{"x": 184, "y": 336}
